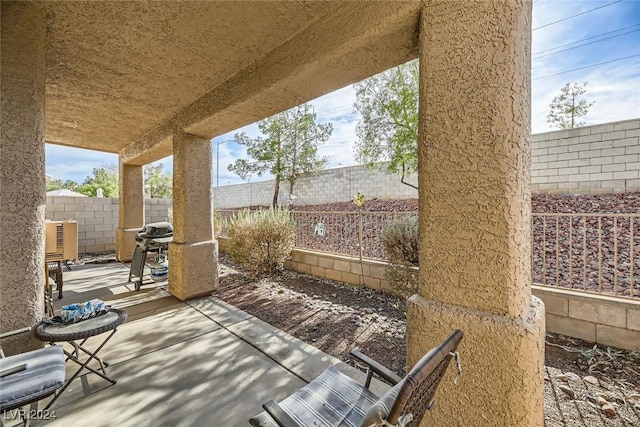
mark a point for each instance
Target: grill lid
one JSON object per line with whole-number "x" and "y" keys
{"x": 157, "y": 229}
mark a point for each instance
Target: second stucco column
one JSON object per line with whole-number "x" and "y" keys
{"x": 193, "y": 254}
{"x": 475, "y": 236}
{"x": 131, "y": 210}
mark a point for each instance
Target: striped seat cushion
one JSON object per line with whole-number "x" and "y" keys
{"x": 43, "y": 375}
{"x": 332, "y": 399}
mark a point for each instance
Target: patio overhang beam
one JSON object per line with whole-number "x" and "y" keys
{"x": 358, "y": 41}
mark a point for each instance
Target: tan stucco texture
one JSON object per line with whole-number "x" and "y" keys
{"x": 22, "y": 195}
{"x": 125, "y": 243}
{"x": 193, "y": 269}
{"x": 475, "y": 237}
{"x": 131, "y": 192}
{"x": 192, "y": 194}
{"x": 131, "y": 74}
{"x": 502, "y": 364}
{"x": 193, "y": 254}
{"x": 475, "y": 155}
{"x": 131, "y": 210}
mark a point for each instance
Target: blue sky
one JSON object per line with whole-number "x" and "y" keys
{"x": 564, "y": 48}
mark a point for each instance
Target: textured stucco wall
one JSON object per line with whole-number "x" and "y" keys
{"x": 603, "y": 158}
{"x": 475, "y": 239}
{"x": 146, "y": 81}
{"x": 98, "y": 218}
{"x": 22, "y": 170}
{"x": 475, "y": 159}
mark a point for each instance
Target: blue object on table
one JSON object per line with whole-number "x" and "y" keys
{"x": 76, "y": 312}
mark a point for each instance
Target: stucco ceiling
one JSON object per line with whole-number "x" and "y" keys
{"x": 122, "y": 76}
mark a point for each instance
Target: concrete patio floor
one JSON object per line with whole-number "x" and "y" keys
{"x": 196, "y": 363}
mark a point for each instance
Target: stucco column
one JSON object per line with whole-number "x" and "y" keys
{"x": 22, "y": 171}
{"x": 193, "y": 254}
{"x": 475, "y": 236}
{"x": 131, "y": 210}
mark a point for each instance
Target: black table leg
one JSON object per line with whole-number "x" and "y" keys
{"x": 59, "y": 279}
{"x": 74, "y": 356}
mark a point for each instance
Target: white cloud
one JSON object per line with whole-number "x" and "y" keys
{"x": 74, "y": 163}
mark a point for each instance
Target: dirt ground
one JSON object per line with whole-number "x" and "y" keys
{"x": 337, "y": 318}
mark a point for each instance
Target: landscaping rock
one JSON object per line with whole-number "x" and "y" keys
{"x": 591, "y": 380}
{"x": 609, "y": 409}
{"x": 568, "y": 391}
{"x": 572, "y": 376}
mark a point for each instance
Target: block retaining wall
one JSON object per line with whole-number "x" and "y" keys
{"x": 597, "y": 318}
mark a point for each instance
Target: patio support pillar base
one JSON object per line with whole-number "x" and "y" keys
{"x": 126, "y": 243}
{"x": 22, "y": 172}
{"x": 193, "y": 269}
{"x": 193, "y": 254}
{"x": 131, "y": 210}
{"x": 502, "y": 362}
{"x": 475, "y": 213}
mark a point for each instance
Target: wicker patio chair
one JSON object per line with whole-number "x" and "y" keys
{"x": 334, "y": 399}
{"x": 29, "y": 377}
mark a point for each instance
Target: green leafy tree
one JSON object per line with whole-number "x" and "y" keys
{"x": 388, "y": 130}
{"x": 289, "y": 147}
{"x": 158, "y": 184}
{"x": 105, "y": 177}
{"x": 568, "y": 107}
{"x": 58, "y": 184}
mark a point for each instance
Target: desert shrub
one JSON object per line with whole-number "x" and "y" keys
{"x": 400, "y": 241}
{"x": 261, "y": 241}
{"x": 220, "y": 224}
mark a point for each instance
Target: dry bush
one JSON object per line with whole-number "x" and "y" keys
{"x": 400, "y": 240}
{"x": 261, "y": 241}
{"x": 220, "y": 224}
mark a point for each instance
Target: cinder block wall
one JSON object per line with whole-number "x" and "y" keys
{"x": 98, "y": 218}
{"x": 331, "y": 185}
{"x": 597, "y": 318}
{"x": 603, "y": 158}
{"x": 590, "y": 160}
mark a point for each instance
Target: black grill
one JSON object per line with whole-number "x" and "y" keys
{"x": 155, "y": 237}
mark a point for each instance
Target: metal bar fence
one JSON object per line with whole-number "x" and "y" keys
{"x": 589, "y": 252}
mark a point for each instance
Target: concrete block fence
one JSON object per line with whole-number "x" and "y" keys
{"x": 98, "y": 218}
{"x": 603, "y": 158}
{"x": 596, "y": 159}
{"x": 601, "y": 319}
{"x": 327, "y": 186}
